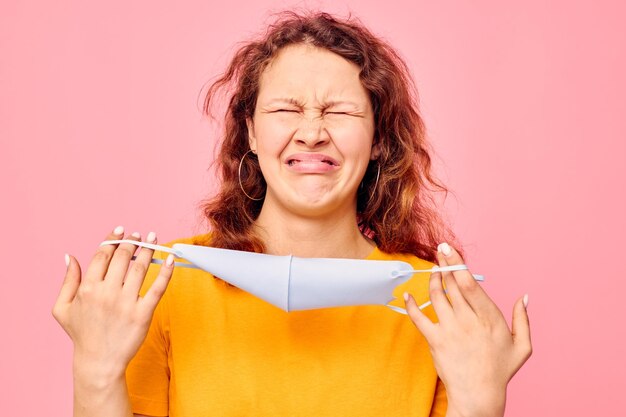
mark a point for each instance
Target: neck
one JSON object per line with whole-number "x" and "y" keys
{"x": 333, "y": 236}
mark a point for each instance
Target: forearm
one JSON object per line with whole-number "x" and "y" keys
{"x": 99, "y": 393}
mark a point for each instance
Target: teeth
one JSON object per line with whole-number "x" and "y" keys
{"x": 294, "y": 161}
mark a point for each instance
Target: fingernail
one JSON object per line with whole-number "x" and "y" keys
{"x": 406, "y": 297}
{"x": 525, "y": 300}
{"x": 67, "y": 260}
{"x": 151, "y": 237}
{"x": 444, "y": 248}
{"x": 119, "y": 230}
{"x": 136, "y": 234}
{"x": 170, "y": 260}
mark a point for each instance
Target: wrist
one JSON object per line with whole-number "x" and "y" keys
{"x": 96, "y": 374}
{"x": 485, "y": 404}
{"x": 99, "y": 389}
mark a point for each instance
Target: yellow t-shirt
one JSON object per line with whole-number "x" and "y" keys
{"x": 213, "y": 349}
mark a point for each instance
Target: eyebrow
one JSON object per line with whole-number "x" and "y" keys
{"x": 298, "y": 103}
{"x": 285, "y": 100}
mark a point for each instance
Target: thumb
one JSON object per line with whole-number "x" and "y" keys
{"x": 71, "y": 280}
{"x": 419, "y": 319}
{"x": 521, "y": 327}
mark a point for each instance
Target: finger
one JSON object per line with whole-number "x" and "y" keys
{"x": 137, "y": 273}
{"x": 71, "y": 282}
{"x": 100, "y": 261}
{"x": 121, "y": 260}
{"x": 438, "y": 298}
{"x": 419, "y": 319}
{"x": 471, "y": 290}
{"x": 158, "y": 287}
{"x": 458, "y": 302}
{"x": 521, "y": 328}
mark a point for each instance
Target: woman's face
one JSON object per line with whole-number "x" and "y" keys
{"x": 313, "y": 131}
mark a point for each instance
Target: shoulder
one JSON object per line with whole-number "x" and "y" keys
{"x": 417, "y": 285}
{"x": 159, "y": 256}
{"x": 188, "y": 275}
{"x": 416, "y": 262}
{"x": 200, "y": 240}
{"x": 189, "y": 285}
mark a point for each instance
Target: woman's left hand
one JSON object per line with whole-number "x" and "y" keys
{"x": 474, "y": 351}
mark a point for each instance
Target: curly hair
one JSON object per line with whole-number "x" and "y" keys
{"x": 398, "y": 210}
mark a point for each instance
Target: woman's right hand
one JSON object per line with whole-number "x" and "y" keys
{"x": 102, "y": 311}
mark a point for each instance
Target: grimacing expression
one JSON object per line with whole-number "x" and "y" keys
{"x": 313, "y": 130}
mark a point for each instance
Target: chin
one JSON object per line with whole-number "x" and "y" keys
{"x": 320, "y": 205}
{"x": 312, "y": 199}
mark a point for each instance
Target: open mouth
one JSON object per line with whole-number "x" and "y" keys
{"x": 292, "y": 162}
{"x": 311, "y": 159}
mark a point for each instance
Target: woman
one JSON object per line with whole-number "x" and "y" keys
{"x": 324, "y": 155}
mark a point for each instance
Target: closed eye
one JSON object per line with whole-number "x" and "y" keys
{"x": 338, "y": 112}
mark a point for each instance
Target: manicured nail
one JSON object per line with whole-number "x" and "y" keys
{"x": 136, "y": 234}
{"x": 444, "y": 248}
{"x": 170, "y": 260}
{"x": 67, "y": 260}
{"x": 525, "y": 300}
{"x": 151, "y": 237}
{"x": 118, "y": 230}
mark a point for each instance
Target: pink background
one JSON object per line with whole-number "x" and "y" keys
{"x": 100, "y": 126}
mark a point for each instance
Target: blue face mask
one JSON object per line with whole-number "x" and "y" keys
{"x": 293, "y": 283}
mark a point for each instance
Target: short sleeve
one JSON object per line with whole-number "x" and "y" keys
{"x": 440, "y": 402}
{"x": 148, "y": 375}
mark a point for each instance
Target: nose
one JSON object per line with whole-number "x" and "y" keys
{"x": 311, "y": 133}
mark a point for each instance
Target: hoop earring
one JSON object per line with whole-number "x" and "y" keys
{"x": 239, "y": 175}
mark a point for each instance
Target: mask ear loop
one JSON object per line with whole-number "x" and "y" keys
{"x": 152, "y": 246}
{"x": 448, "y": 268}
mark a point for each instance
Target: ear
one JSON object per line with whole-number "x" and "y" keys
{"x": 375, "y": 150}
{"x": 251, "y": 135}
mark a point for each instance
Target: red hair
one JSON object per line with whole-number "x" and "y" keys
{"x": 398, "y": 211}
